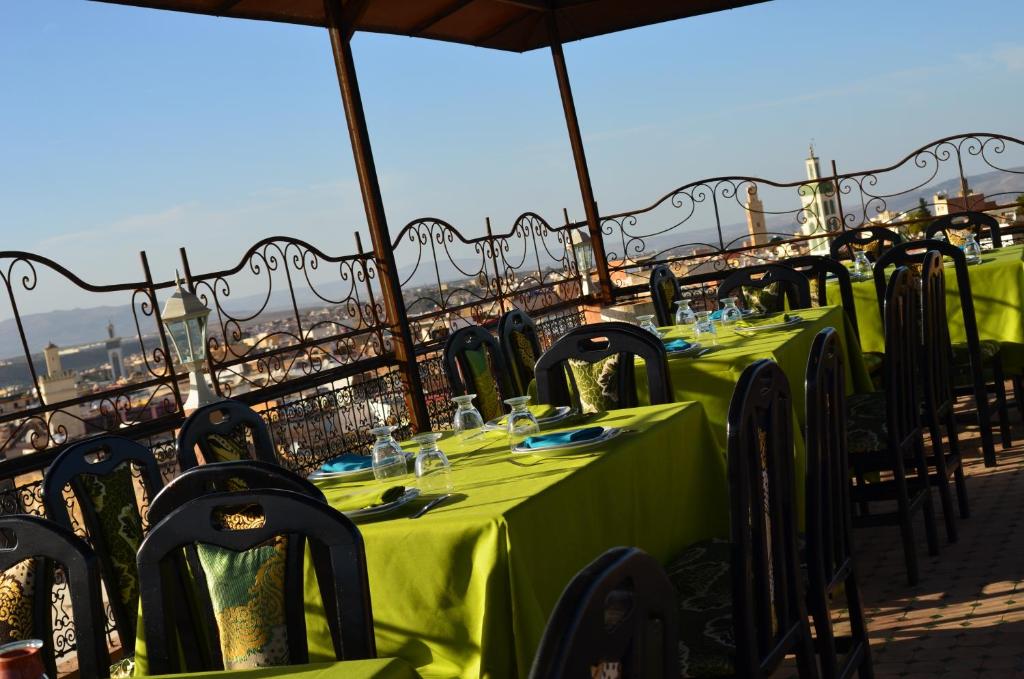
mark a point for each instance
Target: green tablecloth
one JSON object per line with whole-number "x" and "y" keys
{"x": 711, "y": 378}
{"x": 997, "y": 286}
{"x": 466, "y": 590}
{"x": 383, "y": 668}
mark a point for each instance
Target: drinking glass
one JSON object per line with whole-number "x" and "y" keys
{"x": 647, "y": 323}
{"x": 467, "y": 417}
{"x": 704, "y": 329}
{"x": 433, "y": 470}
{"x": 684, "y": 314}
{"x": 730, "y": 312}
{"x": 972, "y": 248}
{"x": 861, "y": 263}
{"x": 388, "y": 457}
{"x": 521, "y": 422}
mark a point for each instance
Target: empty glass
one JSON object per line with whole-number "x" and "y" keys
{"x": 730, "y": 312}
{"x": 521, "y": 422}
{"x": 861, "y": 263}
{"x": 467, "y": 417}
{"x": 388, "y": 457}
{"x": 704, "y": 329}
{"x": 433, "y": 470}
{"x": 647, "y": 323}
{"x": 684, "y": 314}
{"x": 972, "y": 248}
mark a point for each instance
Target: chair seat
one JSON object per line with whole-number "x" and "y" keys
{"x": 866, "y": 423}
{"x": 703, "y": 584}
{"x": 988, "y": 349}
{"x": 873, "y": 361}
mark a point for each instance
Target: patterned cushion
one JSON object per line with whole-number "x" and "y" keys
{"x": 120, "y": 525}
{"x": 482, "y": 382}
{"x": 597, "y": 383}
{"x": 247, "y": 592}
{"x": 525, "y": 359}
{"x": 866, "y": 424}
{"x": 989, "y": 349}
{"x": 873, "y": 361}
{"x": 668, "y": 294}
{"x": 17, "y": 589}
{"x": 227, "y": 448}
{"x": 702, "y": 580}
{"x": 771, "y": 298}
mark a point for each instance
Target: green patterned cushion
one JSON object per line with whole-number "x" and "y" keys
{"x": 770, "y": 298}
{"x": 120, "y": 525}
{"x": 873, "y": 361}
{"x": 227, "y": 448}
{"x": 866, "y": 424}
{"x": 702, "y": 579}
{"x": 668, "y": 293}
{"x": 482, "y": 382}
{"x": 525, "y": 360}
{"x": 247, "y": 592}
{"x": 988, "y": 349}
{"x": 16, "y": 596}
{"x": 597, "y": 384}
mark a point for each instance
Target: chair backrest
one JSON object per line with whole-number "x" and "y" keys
{"x": 618, "y": 616}
{"x": 817, "y": 269}
{"x": 99, "y": 471}
{"x": 219, "y": 430}
{"x": 253, "y": 570}
{"x": 774, "y": 282}
{"x": 873, "y": 240}
{"x": 769, "y": 615}
{"x": 665, "y": 292}
{"x": 827, "y": 497}
{"x": 980, "y": 224}
{"x": 937, "y": 356}
{"x": 44, "y": 543}
{"x": 517, "y": 336}
{"x": 598, "y": 358}
{"x": 902, "y": 346}
{"x": 219, "y": 477}
{"x": 475, "y": 364}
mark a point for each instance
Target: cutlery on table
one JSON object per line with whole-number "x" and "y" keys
{"x": 430, "y": 505}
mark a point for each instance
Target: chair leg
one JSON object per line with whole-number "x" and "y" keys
{"x": 1018, "y": 394}
{"x": 806, "y": 659}
{"x": 817, "y": 604}
{"x": 930, "y": 531}
{"x": 984, "y": 415}
{"x": 858, "y": 630}
{"x": 907, "y": 529}
{"x": 1004, "y": 416}
{"x": 942, "y": 479}
{"x": 958, "y": 471}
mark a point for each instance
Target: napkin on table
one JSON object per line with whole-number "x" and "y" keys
{"x": 562, "y": 438}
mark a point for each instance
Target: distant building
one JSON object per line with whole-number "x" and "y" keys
{"x": 755, "y": 218}
{"x": 56, "y": 386}
{"x": 974, "y": 202}
{"x": 819, "y": 207}
{"x": 114, "y": 354}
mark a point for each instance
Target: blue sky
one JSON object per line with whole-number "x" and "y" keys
{"x": 124, "y": 129}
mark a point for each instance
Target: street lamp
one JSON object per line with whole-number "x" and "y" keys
{"x": 185, "y": 316}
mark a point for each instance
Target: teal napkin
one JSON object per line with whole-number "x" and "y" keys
{"x": 562, "y": 438}
{"x": 349, "y": 462}
{"x": 677, "y": 345}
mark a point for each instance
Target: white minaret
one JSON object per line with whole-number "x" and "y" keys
{"x": 818, "y": 203}
{"x": 114, "y": 355}
{"x": 56, "y": 386}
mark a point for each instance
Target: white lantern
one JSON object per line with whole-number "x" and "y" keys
{"x": 185, "y": 317}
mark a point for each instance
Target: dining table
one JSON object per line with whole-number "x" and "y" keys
{"x": 377, "y": 668}
{"x": 997, "y": 289}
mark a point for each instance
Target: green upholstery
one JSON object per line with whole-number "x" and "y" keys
{"x": 873, "y": 361}
{"x": 113, "y": 500}
{"x": 668, "y": 293}
{"x": 771, "y": 298}
{"x": 524, "y": 359}
{"x": 17, "y": 589}
{"x": 483, "y": 383}
{"x": 227, "y": 448}
{"x": 866, "y": 424}
{"x": 597, "y": 383}
{"x": 247, "y": 592}
{"x": 702, "y": 579}
{"x": 989, "y": 349}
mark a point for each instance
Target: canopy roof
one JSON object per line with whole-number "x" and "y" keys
{"x": 514, "y": 25}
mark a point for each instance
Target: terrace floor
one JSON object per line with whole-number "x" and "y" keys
{"x": 965, "y": 618}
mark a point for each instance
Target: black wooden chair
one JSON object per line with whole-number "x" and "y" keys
{"x": 615, "y": 618}
{"x": 665, "y": 292}
{"x": 741, "y": 602}
{"x": 475, "y": 364}
{"x": 828, "y": 542}
{"x": 517, "y": 336}
{"x": 41, "y": 543}
{"x": 769, "y": 286}
{"x": 219, "y": 430}
{"x": 240, "y": 560}
{"x": 883, "y": 431}
{"x": 951, "y": 226}
{"x": 873, "y": 240}
{"x": 100, "y": 473}
{"x": 233, "y": 476}
{"x": 595, "y": 362}
{"x": 972, "y": 358}
{"x": 818, "y": 270}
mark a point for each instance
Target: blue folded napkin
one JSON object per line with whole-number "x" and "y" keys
{"x": 348, "y": 462}
{"x": 677, "y": 345}
{"x": 562, "y": 438}
{"x": 716, "y": 315}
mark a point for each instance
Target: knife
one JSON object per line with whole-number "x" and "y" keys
{"x": 430, "y": 505}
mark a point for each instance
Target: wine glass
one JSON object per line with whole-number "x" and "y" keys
{"x": 730, "y": 312}
{"x": 647, "y": 323}
{"x": 972, "y": 248}
{"x": 467, "y": 417}
{"x": 684, "y": 314}
{"x": 433, "y": 470}
{"x": 704, "y": 329}
{"x": 861, "y": 263}
{"x": 388, "y": 457}
{"x": 521, "y": 422}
